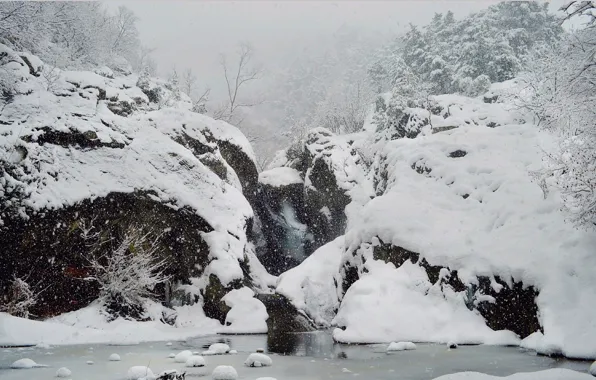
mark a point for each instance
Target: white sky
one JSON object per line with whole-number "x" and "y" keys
{"x": 192, "y": 34}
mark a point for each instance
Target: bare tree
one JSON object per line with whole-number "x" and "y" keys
{"x": 125, "y": 30}
{"x": 238, "y": 77}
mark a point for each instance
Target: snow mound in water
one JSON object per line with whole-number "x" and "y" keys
{"x": 258, "y": 360}
{"x": 114, "y": 358}
{"x": 24, "y": 363}
{"x": 311, "y": 285}
{"x": 217, "y": 349}
{"x": 592, "y": 369}
{"x": 281, "y": 176}
{"x": 63, "y": 372}
{"x": 195, "y": 361}
{"x": 183, "y": 356}
{"x": 224, "y": 372}
{"x": 247, "y": 314}
{"x": 400, "y": 346}
{"x": 138, "y": 372}
{"x": 549, "y": 374}
{"x": 266, "y": 378}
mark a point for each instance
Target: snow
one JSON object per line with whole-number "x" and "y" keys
{"x": 23, "y": 364}
{"x": 258, "y": 360}
{"x": 63, "y": 372}
{"x": 183, "y": 356}
{"x": 195, "y": 361}
{"x": 266, "y": 378}
{"x": 217, "y": 349}
{"x": 247, "y": 314}
{"x": 114, "y": 358}
{"x": 401, "y": 346}
{"x": 401, "y": 304}
{"x": 505, "y": 227}
{"x": 282, "y": 176}
{"x": 224, "y": 372}
{"x": 89, "y": 325}
{"x": 138, "y": 372}
{"x": 310, "y": 286}
{"x": 592, "y": 369}
{"x": 90, "y": 362}
{"x": 549, "y": 374}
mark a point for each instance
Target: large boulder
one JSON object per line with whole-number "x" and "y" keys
{"x": 78, "y": 173}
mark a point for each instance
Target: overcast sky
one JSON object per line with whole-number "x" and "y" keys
{"x": 192, "y": 34}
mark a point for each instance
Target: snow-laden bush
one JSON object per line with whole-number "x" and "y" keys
{"x": 19, "y": 299}
{"x": 128, "y": 272}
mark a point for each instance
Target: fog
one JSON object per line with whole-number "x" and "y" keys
{"x": 189, "y": 34}
{"x": 194, "y": 35}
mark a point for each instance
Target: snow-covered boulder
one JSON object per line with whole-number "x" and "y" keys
{"x": 195, "y": 361}
{"x": 311, "y": 285}
{"x": 400, "y": 346}
{"x": 63, "y": 372}
{"x": 592, "y": 369}
{"x": 224, "y": 372}
{"x": 114, "y": 358}
{"x": 90, "y": 152}
{"x": 258, "y": 360}
{"x": 24, "y": 363}
{"x": 138, "y": 372}
{"x": 217, "y": 349}
{"x": 247, "y": 314}
{"x": 183, "y": 356}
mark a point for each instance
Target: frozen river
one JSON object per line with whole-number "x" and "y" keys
{"x": 295, "y": 356}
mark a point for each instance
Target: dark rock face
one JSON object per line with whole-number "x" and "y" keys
{"x": 283, "y": 316}
{"x": 514, "y": 307}
{"x": 319, "y": 206}
{"x": 277, "y": 257}
{"x": 50, "y": 248}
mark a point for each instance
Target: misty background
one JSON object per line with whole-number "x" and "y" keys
{"x": 283, "y": 36}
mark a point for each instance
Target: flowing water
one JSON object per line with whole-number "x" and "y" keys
{"x": 295, "y": 356}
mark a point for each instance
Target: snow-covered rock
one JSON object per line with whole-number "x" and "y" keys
{"x": 91, "y": 147}
{"x": 63, "y": 372}
{"x": 400, "y": 346}
{"x": 195, "y": 361}
{"x": 247, "y": 314}
{"x": 592, "y": 369}
{"x": 138, "y": 372}
{"x": 299, "y": 216}
{"x": 311, "y": 285}
{"x": 24, "y": 363}
{"x": 183, "y": 356}
{"x": 90, "y": 362}
{"x": 114, "y": 358}
{"x": 258, "y": 360}
{"x": 217, "y": 349}
{"x": 224, "y": 372}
